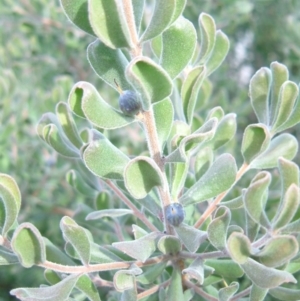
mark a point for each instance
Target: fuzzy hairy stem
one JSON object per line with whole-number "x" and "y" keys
{"x": 152, "y": 290}
{"x": 147, "y": 118}
{"x": 128, "y": 10}
{"x": 100, "y": 267}
{"x": 130, "y": 205}
{"x": 212, "y": 207}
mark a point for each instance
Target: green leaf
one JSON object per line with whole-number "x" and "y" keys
{"x": 10, "y": 203}
{"x": 109, "y": 23}
{"x": 175, "y": 290}
{"x": 219, "y": 177}
{"x": 86, "y": 285}
{"x": 163, "y": 115}
{"x": 227, "y": 292}
{"x": 57, "y": 292}
{"x": 203, "y": 161}
{"x": 124, "y": 280}
{"x": 285, "y": 294}
{"x": 217, "y": 229}
{"x": 152, "y": 273}
{"x": 68, "y": 125}
{"x": 180, "y": 171}
{"x": 239, "y": 247}
{"x": 6, "y": 257}
{"x": 287, "y": 208}
{"x": 265, "y": 277}
{"x": 75, "y": 179}
{"x": 104, "y": 160}
{"x": 257, "y": 293}
{"x": 140, "y": 249}
{"x": 86, "y": 102}
{"x": 219, "y": 52}
{"x": 190, "y": 236}
{"x": 289, "y": 174}
{"x": 207, "y": 36}
{"x": 195, "y": 271}
{"x": 169, "y": 245}
{"x": 108, "y": 213}
{"x": 284, "y": 145}
{"x": 55, "y": 138}
{"x": 256, "y": 139}
{"x": 150, "y": 80}
{"x": 109, "y": 64}
{"x": 174, "y": 59}
{"x": 192, "y": 141}
{"x": 190, "y": 91}
{"x": 141, "y": 175}
{"x": 280, "y": 74}
{"x": 27, "y": 243}
{"x": 225, "y": 131}
{"x": 255, "y": 196}
{"x": 77, "y": 12}
{"x": 287, "y": 97}
{"x": 278, "y": 250}
{"x": 138, "y": 9}
{"x": 260, "y": 86}
{"x": 161, "y": 18}
{"x": 77, "y": 237}
{"x": 226, "y": 268}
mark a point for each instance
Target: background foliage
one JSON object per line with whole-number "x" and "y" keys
{"x": 42, "y": 55}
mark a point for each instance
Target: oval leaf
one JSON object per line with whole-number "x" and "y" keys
{"x": 141, "y": 175}
{"x": 149, "y": 79}
{"x": 219, "y": 177}
{"x": 174, "y": 59}
{"x": 284, "y": 145}
{"x": 28, "y": 244}
{"x": 239, "y": 247}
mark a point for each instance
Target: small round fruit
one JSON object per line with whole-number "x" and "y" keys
{"x": 129, "y": 103}
{"x": 174, "y": 214}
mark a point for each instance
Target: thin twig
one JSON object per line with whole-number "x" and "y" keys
{"x": 101, "y": 266}
{"x": 241, "y": 294}
{"x": 142, "y": 217}
{"x": 211, "y": 208}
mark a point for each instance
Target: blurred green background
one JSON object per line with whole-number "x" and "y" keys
{"x": 42, "y": 55}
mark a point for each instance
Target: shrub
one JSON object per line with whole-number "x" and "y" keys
{"x": 173, "y": 217}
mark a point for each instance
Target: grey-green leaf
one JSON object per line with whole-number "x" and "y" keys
{"x": 257, "y": 293}
{"x": 10, "y": 202}
{"x": 105, "y": 160}
{"x": 87, "y": 286}
{"x": 219, "y": 177}
{"x": 174, "y": 59}
{"x": 140, "y": 249}
{"x": 86, "y": 102}
{"x": 260, "y": 86}
{"x": 109, "y": 64}
{"x": 77, "y": 12}
{"x": 239, "y": 247}
{"x": 78, "y": 237}
{"x": 28, "y": 244}
{"x": 108, "y": 213}
{"x": 108, "y": 21}
{"x": 227, "y": 292}
{"x": 195, "y": 271}
{"x": 150, "y": 80}
{"x": 278, "y": 250}
{"x": 284, "y": 145}
{"x": 265, "y": 277}
{"x": 217, "y": 228}
{"x": 254, "y": 198}
{"x": 285, "y": 294}
{"x": 207, "y": 35}
{"x": 169, "y": 245}
{"x": 219, "y": 52}
{"x": 256, "y": 139}
{"x": 141, "y": 175}
{"x": 175, "y": 290}
{"x": 57, "y": 292}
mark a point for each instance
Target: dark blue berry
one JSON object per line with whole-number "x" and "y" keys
{"x": 129, "y": 103}
{"x": 174, "y": 214}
